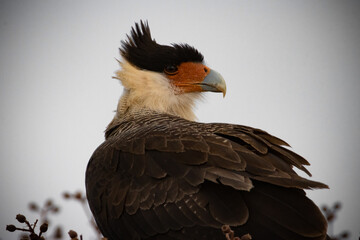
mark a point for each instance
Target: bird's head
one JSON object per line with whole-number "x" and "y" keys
{"x": 162, "y": 78}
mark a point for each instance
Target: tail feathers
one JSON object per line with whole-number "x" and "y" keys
{"x": 282, "y": 213}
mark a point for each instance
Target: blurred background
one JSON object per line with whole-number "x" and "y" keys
{"x": 292, "y": 68}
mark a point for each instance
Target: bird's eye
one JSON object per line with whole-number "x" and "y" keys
{"x": 171, "y": 69}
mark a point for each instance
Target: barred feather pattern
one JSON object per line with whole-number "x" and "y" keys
{"x": 159, "y": 176}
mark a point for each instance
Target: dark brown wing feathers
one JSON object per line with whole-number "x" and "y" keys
{"x": 175, "y": 178}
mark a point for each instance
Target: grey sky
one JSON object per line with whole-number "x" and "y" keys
{"x": 292, "y": 68}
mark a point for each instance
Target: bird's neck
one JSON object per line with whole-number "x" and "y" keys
{"x": 128, "y": 106}
{"x": 128, "y": 114}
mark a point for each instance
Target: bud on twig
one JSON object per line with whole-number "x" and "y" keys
{"x": 11, "y": 228}
{"x": 66, "y": 195}
{"x": 44, "y": 227}
{"x": 58, "y": 233}
{"x": 55, "y": 210}
{"x": 49, "y": 203}
{"x": 33, "y": 207}
{"x": 78, "y": 195}
{"x": 34, "y": 236}
{"x": 345, "y": 234}
{"x": 72, "y": 234}
{"x": 337, "y": 205}
{"x": 21, "y": 218}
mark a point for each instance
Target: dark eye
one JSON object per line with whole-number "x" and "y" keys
{"x": 171, "y": 69}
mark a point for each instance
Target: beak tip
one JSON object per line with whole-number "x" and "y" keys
{"x": 222, "y": 86}
{"x": 223, "y": 89}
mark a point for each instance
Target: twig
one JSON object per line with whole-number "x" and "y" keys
{"x": 229, "y": 234}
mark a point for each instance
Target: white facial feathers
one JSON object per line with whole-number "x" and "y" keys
{"x": 147, "y": 90}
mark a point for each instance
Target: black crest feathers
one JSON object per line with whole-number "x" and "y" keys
{"x": 143, "y": 51}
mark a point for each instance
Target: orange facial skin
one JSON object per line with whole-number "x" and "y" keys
{"x": 189, "y": 77}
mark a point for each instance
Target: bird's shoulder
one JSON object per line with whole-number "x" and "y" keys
{"x": 162, "y": 145}
{"x": 172, "y": 134}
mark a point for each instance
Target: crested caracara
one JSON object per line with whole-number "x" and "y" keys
{"x": 161, "y": 175}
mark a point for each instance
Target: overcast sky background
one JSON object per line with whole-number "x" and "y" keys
{"x": 292, "y": 68}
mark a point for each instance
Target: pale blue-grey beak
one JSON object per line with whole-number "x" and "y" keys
{"x": 214, "y": 82}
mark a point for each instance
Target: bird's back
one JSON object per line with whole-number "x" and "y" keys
{"x": 159, "y": 176}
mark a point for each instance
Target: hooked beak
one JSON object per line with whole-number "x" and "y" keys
{"x": 214, "y": 82}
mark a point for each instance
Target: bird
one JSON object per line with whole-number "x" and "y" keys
{"x": 160, "y": 174}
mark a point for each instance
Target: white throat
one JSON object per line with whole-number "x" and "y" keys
{"x": 147, "y": 90}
